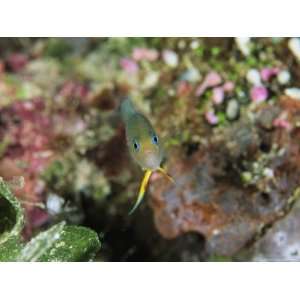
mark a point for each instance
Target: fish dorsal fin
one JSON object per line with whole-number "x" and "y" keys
{"x": 127, "y": 108}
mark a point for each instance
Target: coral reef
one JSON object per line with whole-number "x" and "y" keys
{"x": 227, "y": 111}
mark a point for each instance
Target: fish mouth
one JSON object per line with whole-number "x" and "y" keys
{"x": 149, "y": 152}
{"x": 152, "y": 161}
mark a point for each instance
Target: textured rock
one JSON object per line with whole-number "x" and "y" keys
{"x": 244, "y": 45}
{"x": 232, "y": 109}
{"x": 209, "y": 196}
{"x": 293, "y": 92}
{"x": 282, "y": 241}
{"x": 284, "y": 77}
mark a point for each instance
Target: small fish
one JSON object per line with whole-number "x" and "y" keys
{"x": 143, "y": 143}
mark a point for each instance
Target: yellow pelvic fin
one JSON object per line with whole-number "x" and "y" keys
{"x": 142, "y": 190}
{"x": 166, "y": 174}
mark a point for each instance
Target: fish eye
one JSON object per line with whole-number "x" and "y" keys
{"x": 155, "y": 139}
{"x": 136, "y": 146}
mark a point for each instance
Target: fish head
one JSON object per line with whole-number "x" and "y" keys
{"x": 147, "y": 151}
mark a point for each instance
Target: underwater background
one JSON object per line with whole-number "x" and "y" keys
{"x": 227, "y": 111}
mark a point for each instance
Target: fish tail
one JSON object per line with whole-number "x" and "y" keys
{"x": 141, "y": 191}
{"x": 126, "y": 108}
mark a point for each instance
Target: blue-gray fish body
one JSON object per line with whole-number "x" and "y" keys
{"x": 142, "y": 140}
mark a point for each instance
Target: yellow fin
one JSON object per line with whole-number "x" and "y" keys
{"x": 166, "y": 174}
{"x": 142, "y": 190}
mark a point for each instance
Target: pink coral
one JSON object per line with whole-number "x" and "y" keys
{"x": 2, "y": 67}
{"x": 267, "y": 73}
{"x": 29, "y": 151}
{"x": 211, "y": 117}
{"x": 218, "y": 95}
{"x": 17, "y": 61}
{"x": 211, "y": 79}
{"x": 282, "y": 123}
{"x": 183, "y": 88}
{"x": 258, "y": 94}
{"x": 139, "y": 54}
{"x": 228, "y": 86}
{"x": 129, "y": 65}
{"x": 74, "y": 90}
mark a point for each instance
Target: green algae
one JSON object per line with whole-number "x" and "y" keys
{"x": 62, "y": 243}
{"x": 11, "y": 214}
